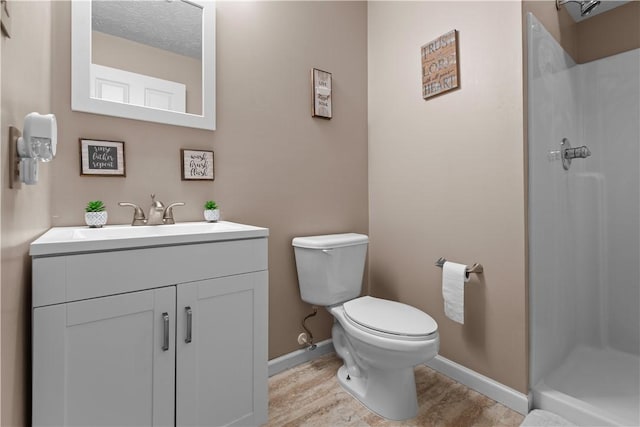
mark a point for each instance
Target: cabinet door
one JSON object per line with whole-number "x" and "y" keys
{"x": 101, "y": 362}
{"x": 221, "y": 373}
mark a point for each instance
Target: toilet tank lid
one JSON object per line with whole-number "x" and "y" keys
{"x": 330, "y": 241}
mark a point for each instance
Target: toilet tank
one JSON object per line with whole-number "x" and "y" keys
{"x": 330, "y": 267}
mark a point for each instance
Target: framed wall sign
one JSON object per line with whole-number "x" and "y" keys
{"x": 196, "y": 165}
{"x": 102, "y": 158}
{"x": 440, "y": 65}
{"x": 321, "y": 94}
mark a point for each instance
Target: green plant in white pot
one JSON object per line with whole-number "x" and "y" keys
{"x": 211, "y": 211}
{"x": 95, "y": 214}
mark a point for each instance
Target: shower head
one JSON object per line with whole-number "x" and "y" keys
{"x": 586, "y": 6}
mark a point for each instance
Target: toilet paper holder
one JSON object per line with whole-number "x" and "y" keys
{"x": 475, "y": 268}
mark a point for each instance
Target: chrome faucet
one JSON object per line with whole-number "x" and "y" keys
{"x": 158, "y": 214}
{"x": 167, "y": 216}
{"x": 138, "y": 215}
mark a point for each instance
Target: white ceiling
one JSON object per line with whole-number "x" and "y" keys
{"x": 604, "y": 6}
{"x": 172, "y": 25}
{"x": 176, "y": 25}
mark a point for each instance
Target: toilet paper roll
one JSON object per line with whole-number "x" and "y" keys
{"x": 454, "y": 276}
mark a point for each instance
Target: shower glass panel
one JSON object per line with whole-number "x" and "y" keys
{"x": 584, "y": 233}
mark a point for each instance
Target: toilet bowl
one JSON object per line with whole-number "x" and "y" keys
{"x": 379, "y": 365}
{"x": 380, "y": 341}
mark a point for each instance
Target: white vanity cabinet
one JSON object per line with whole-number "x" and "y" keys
{"x": 216, "y": 369}
{"x": 153, "y": 334}
{"x": 100, "y": 362}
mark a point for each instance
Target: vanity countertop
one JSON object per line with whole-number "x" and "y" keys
{"x": 67, "y": 240}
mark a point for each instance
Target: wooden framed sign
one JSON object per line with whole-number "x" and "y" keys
{"x": 321, "y": 94}
{"x": 102, "y": 158}
{"x": 197, "y": 165}
{"x": 440, "y": 65}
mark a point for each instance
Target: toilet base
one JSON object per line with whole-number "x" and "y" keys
{"x": 389, "y": 393}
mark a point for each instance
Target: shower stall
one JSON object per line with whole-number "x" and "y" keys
{"x": 584, "y": 233}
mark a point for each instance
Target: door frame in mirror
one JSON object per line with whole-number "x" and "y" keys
{"x": 81, "y": 99}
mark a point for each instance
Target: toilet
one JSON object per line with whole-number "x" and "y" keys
{"x": 380, "y": 341}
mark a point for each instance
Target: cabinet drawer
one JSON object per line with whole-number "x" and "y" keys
{"x": 82, "y": 276}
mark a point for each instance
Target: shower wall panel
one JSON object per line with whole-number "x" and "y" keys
{"x": 611, "y": 108}
{"x": 584, "y": 232}
{"x": 553, "y": 114}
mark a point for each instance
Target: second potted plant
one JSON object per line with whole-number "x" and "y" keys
{"x": 95, "y": 214}
{"x": 211, "y": 211}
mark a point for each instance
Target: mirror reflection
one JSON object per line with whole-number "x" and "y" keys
{"x": 147, "y": 53}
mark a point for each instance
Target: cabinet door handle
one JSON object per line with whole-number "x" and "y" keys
{"x": 165, "y": 334}
{"x": 189, "y": 324}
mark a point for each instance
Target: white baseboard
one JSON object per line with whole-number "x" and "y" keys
{"x": 298, "y": 357}
{"x": 509, "y": 397}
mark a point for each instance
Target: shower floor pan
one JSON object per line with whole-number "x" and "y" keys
{"x": 593, "y": 386}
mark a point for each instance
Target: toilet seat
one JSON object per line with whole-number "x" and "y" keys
{"x": 389, "y": 319}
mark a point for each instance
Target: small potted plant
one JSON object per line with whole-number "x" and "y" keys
{"x": 95, "y": 215}
{"x": 211, "y": 211}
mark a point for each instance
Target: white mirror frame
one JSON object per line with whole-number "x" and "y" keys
{"x": 81, "y": 99}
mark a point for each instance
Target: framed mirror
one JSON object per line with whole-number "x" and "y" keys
{"x": 151, "y": 60}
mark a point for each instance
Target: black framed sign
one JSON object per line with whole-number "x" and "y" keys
{"x": 102, "y": 158}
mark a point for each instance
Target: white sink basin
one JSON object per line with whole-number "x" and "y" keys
{"x": 113, "y": 237}
{"x": 128, "y": 232}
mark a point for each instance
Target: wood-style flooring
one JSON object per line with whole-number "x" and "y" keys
{"x": 309, "y": 395}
